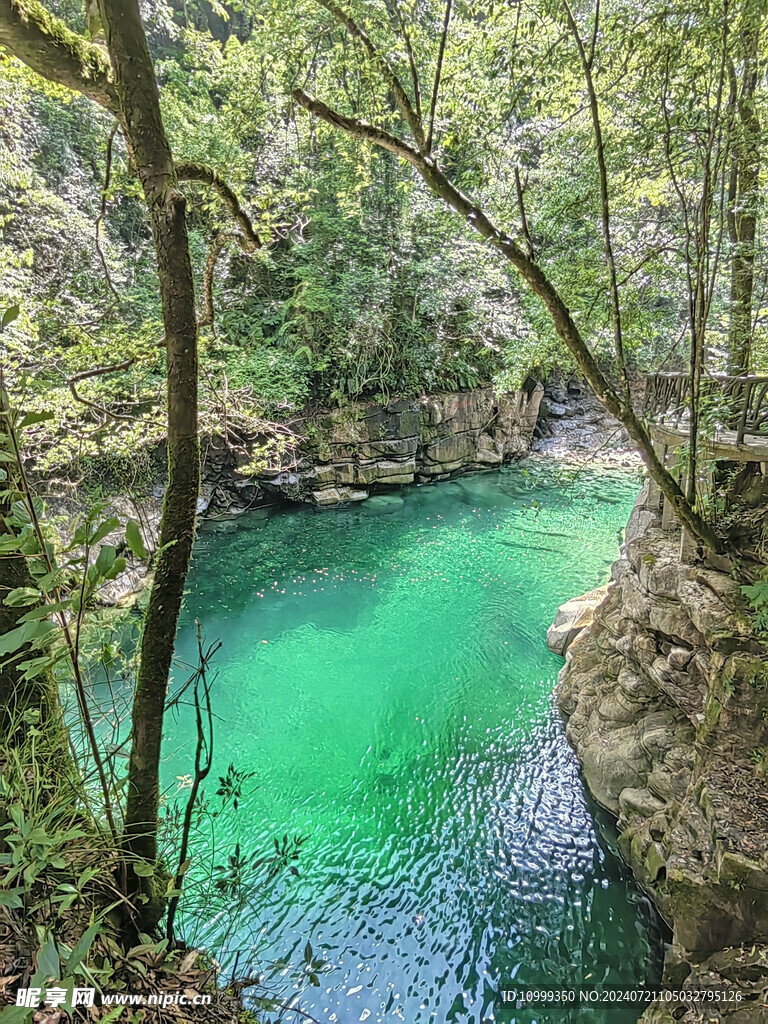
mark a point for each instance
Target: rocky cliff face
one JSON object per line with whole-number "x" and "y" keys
{"x": 666, "y": 695}
{"x": 345, "y": 454}
{"x": 340, "y": 456}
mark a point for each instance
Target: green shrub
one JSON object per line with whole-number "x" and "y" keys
{"x": 278, "y": 380}
{"x": 757, "y": 595}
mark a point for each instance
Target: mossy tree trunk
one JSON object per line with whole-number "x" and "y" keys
{"x": 138, "y": 108}
{"x": 122, "y": 79}
{"x": 743, "y": 188}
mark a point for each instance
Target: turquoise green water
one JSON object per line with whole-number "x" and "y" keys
{"x": 384, "y": 675}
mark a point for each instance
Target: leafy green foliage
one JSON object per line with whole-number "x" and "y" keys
{"x": 64, "y": 584}
{"x": 231, "y": 786}
{"x": 276, "y": 379}
{"x": 757, "y": 595}
{"x": 365, "y": 287}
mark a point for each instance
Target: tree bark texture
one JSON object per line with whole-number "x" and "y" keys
{"x": 743, "y": 194}
{"x": 139, "y": 112}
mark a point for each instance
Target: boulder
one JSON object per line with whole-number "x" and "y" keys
{"x": 337, "y": 495}
{"x": 572, "y": 617}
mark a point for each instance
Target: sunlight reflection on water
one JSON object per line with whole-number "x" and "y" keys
{"x": 384, "y": 674}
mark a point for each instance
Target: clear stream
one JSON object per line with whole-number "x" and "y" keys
{"x": 384, "y": 674}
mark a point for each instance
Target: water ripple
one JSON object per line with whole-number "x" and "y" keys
{"x": 385, "y": 677}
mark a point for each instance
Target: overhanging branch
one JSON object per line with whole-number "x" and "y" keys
{"x": 386, "y": 70}
{"x": 586, "y": 64}
{"x": 187, "y": 170}
{"x": 542, "y": 287}
{"x": 245, "y": 235}
{"x": 358, "y": 129}
{"x": 438, "y": 73}
{"x": 395, "y": 9}
{"x": 217, "y": 246}
{"x": 43, "y": 42}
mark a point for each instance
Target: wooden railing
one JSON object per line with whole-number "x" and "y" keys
{"x": 729, "y": 403}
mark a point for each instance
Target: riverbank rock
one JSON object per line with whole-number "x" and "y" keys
{"x": 350, "y": 453}
{"x": 666, "y": 699}
{"x": 342, "y": 456}
{"x": 574, "y": 424}
{"x": 572, "y": 617}
{"x": 741, "y": 973}
{"x": 335, "y": 458}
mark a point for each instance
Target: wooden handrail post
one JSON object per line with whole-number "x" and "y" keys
{"x": 746, "y": 399}
{"x": 665, "y": 398}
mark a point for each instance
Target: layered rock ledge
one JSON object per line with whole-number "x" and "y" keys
{"x": 666, "y": 697}
{"x": 344, "y": 455}
{"x": 350, "y": 452}
{"x": 338, "y": 456}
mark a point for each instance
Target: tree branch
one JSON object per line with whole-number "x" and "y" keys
{"x": 523, "y": 217}
{"x": 409, "y": 50}
{"x": 438, "y": 73}
{"x": 187, "y": 170}
{"x": 595, "y": 30}
{"x": 98, "y": 372}
{"x": 214, "y": 252}
{"x": 102, "y": 214}
{"x": 542, "y": 287}
{"x": 203, "y": 763}
{"x": 42, "y": 41}
{"x": 358, "y": 129}
{"x": 385, "y": 68}
{"x": 586, "y": 64}
{"x": 246, "y": 236}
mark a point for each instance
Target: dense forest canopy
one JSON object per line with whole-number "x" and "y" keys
{"x": 364, "y": 285}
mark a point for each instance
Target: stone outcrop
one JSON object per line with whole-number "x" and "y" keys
{"x": 347, "y": 454}
{"x": 337, "y": 456}
{"x": 573, "y": 617}
{"x": 666, "y": 696}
